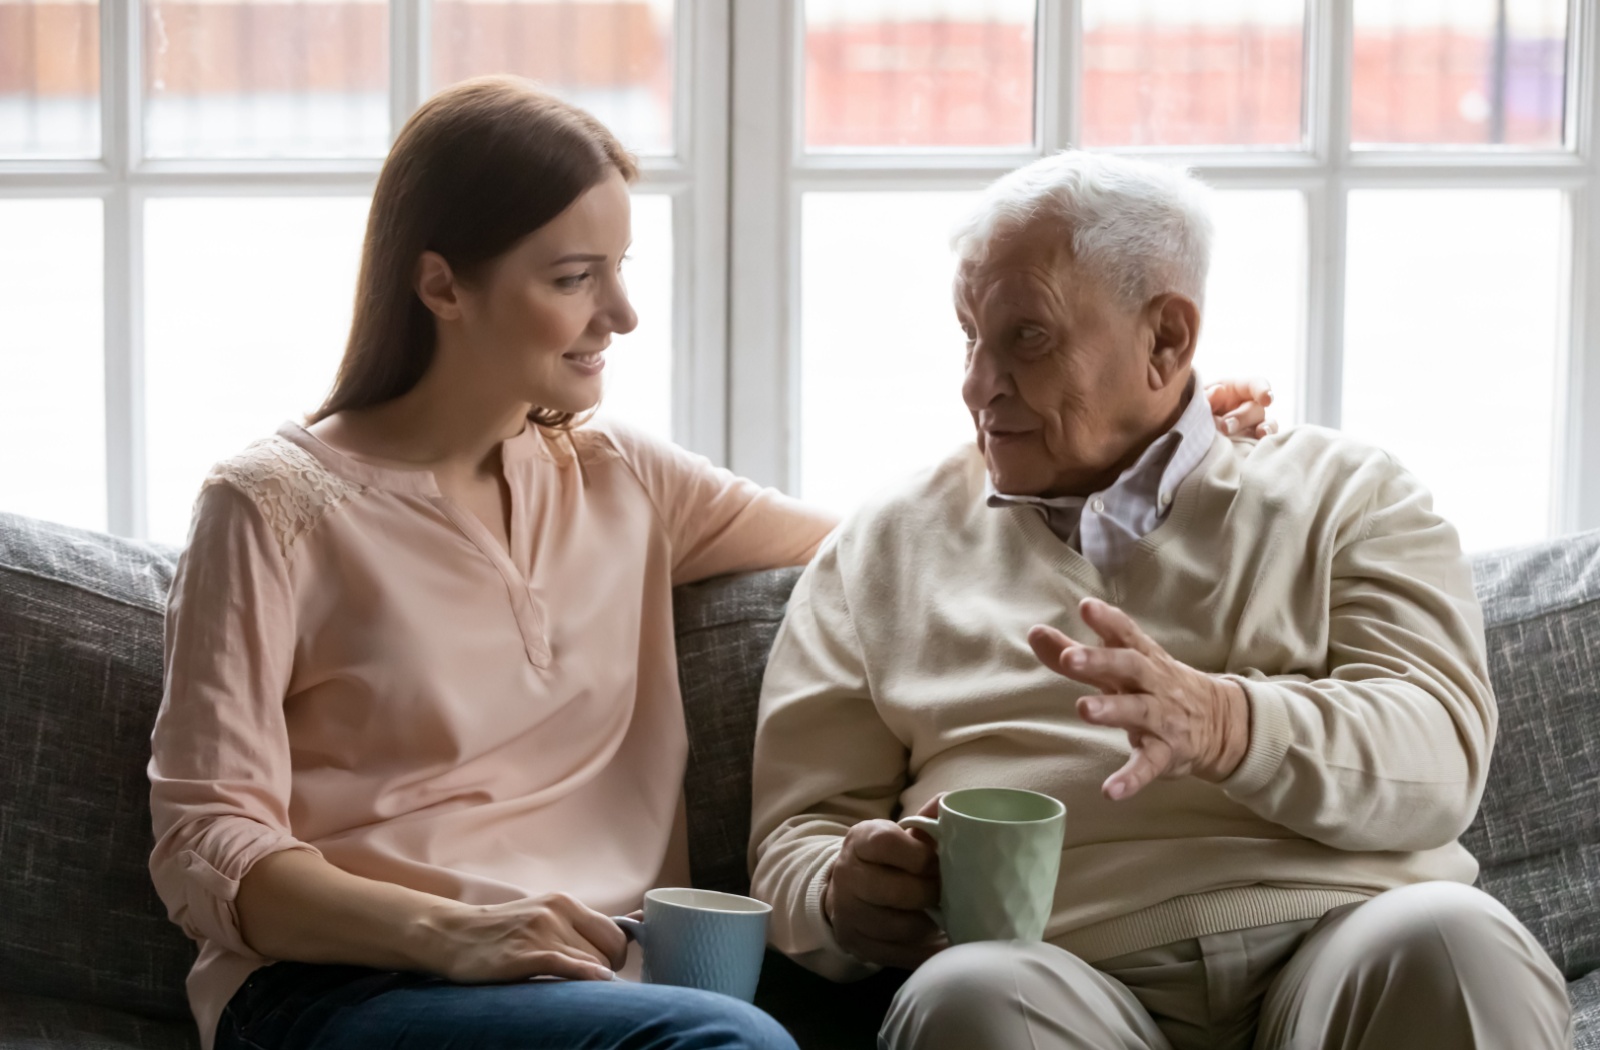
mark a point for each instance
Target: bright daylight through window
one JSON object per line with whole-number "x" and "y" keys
{"x": 1405, "y": 203}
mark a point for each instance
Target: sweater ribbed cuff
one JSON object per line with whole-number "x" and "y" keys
{"x": 816, "y": 914}
{"x": 1270, "y": 736}
{"x": 827, "y": 958}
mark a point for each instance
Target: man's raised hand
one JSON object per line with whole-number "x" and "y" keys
{"x": 1180, "y": 721}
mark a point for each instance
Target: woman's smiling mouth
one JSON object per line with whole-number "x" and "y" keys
{"x": 589, "y": 363}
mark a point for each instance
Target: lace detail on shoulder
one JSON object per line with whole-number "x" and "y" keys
{"x": 291, "y": 489}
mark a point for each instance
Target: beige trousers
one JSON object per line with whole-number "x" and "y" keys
{"x": 1435, "y": 965}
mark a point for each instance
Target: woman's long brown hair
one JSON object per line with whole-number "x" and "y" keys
{"x": 478, "y": 167}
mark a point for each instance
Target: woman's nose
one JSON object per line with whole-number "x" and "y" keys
{"x": 620, "y": 312}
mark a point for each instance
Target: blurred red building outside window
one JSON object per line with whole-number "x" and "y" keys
{"x": 901, "y": 84}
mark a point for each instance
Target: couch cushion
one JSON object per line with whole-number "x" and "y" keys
{"x": 725, "y": 629}
{"x": 80, "y": 681}
{"x": 1585, "y": 995}
{"x": 32, "y": 1023}
{"x": 1537, "y": 835}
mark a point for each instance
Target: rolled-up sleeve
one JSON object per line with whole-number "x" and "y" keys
{"x": 1390, "y": 749}
{"x": 219, "y": 766}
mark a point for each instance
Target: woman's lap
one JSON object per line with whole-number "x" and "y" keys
{"x": 297, "y": 1006}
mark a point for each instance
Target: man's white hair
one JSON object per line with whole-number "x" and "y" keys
{"x": 1143, "y": 228}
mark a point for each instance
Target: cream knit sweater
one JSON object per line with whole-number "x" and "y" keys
{"x": 1308, "y": 565}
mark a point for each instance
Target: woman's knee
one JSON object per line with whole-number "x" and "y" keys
{"x": 707, "y": 1021}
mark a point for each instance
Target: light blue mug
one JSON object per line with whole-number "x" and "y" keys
{"x": 701, "y": 939}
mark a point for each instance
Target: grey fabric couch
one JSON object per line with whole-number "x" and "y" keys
{"x": 88, "y": 959}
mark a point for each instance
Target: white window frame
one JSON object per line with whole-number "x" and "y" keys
{"x": 695, "y": 176}
{"x": 771, "y": 172}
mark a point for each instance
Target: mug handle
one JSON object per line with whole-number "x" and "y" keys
{"x": 929, "y": 827}
{"x": 631, "y": 928}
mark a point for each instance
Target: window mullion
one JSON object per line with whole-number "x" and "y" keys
{"x": 408, "y": 59}
{"x": 1056, "y": 88}
{"x": 700, "y": 239}
{"x": 761, "y": 248}
{"x": 121, "y": 248}
{"x": 1328, "y": 55}
{"x": 1581, "y": 448}
{"x": 124, "y": 362}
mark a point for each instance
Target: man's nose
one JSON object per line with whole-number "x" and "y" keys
{"x": 985, "y": 380}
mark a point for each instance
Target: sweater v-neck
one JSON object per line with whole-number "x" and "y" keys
{"x": 1064, "y": 559}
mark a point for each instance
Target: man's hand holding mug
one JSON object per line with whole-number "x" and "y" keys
{"x": 883, "y": 883}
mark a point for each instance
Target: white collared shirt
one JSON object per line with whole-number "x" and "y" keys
{"x": 1105, "y": 526}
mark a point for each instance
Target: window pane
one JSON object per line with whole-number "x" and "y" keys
{"x": 1459, "y": 72}
{"x": 266, "y": 78}
{"x": 1450, "y": 348}
{"x": 612, "y": 57}
{"x": 881, "y": 352}
{"x": 919, "y": 73}
{"x": 49, "y": 78}
{"x": 1255, "y": 297}
{"x": 247, "y": 307}
{"x": 638, "y": 375}
{"x": 52, "y": 374}
{"x": 1192, "y": 72}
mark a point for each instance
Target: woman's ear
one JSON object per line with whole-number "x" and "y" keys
{"x": 1175, "y": 322}
{"x": 436, "y": 286}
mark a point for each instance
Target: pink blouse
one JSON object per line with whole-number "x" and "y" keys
{"x": 355, "y": 667}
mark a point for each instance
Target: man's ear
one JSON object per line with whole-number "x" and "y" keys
{"x": 1175, "y": 323}
{"x": 437, "y": 287}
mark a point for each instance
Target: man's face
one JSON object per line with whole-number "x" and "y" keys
{"x": 1058, "y": 371}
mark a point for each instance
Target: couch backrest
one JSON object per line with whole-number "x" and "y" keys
{"x": 1537, "y": 835}
{"x": 725, "y": 629}
{"x": 80, "y": 680}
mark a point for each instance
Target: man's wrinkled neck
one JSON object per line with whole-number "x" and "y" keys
{"x": 1103, "y": 479}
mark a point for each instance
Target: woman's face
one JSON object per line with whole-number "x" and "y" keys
{"x": 543, "y": 313}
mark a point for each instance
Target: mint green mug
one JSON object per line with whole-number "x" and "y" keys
{"x": 999, "y": 855}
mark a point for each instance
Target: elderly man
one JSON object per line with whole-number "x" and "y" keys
{"x": 1253, "y": 671}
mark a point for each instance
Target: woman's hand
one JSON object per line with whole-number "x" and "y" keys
{"x": 549, "y": 936}
{"x": 1240, "y": 407}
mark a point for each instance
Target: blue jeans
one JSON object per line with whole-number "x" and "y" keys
{"x": 300, "y": 1006}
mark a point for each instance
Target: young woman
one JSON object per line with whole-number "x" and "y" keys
{"x": 422, "y": 730}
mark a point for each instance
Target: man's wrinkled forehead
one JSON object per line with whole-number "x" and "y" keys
{"x": 1024, "y": 265}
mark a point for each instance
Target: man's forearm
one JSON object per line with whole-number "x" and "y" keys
{"x": 1374, "y": 765}
{"x": 792, "y": 875}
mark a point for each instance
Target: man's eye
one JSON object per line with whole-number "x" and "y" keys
{"x": 1029, "y": 334}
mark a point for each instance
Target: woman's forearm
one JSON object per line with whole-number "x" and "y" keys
{"x": 295, "y": 906}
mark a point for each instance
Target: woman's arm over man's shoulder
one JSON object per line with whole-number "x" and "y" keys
{"x": 716, "y": 521}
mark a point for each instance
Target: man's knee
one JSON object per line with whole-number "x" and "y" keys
{"x": 971, "y": 995}
{"x": 1462, "y": 949}
{"x": 1432, "y": 923}
{"x": 962, "y": 976}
